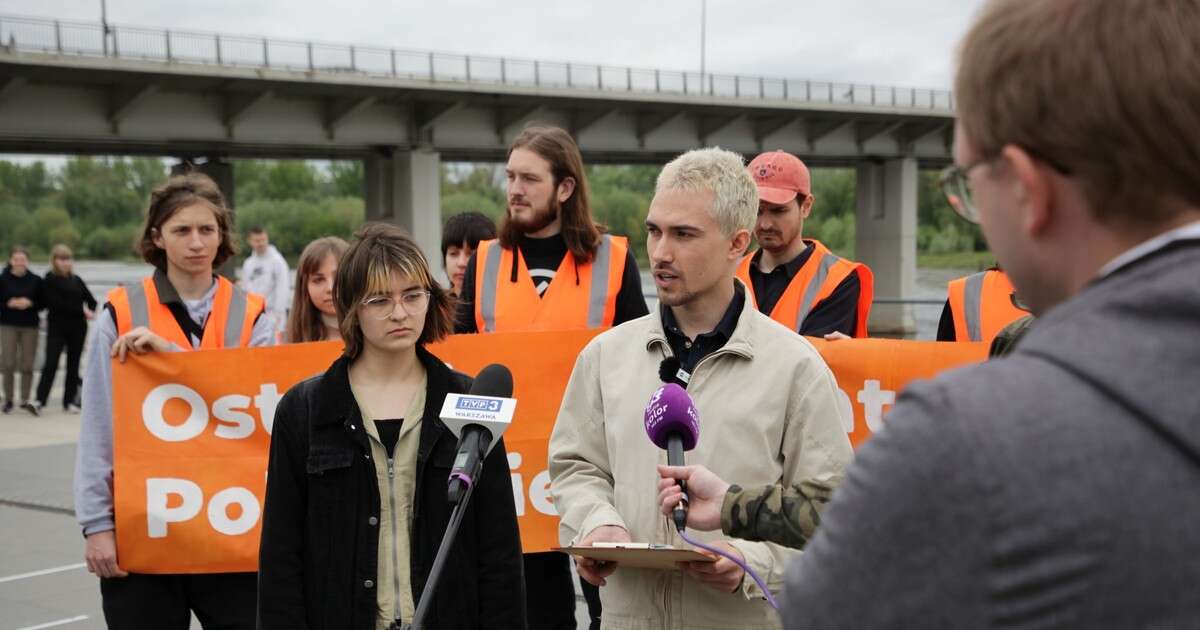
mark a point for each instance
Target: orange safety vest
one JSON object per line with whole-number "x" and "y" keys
{"x": 813, "y": 284}
{"x": 503, "y": 303}
{"x": 230, "y": 323}
{"x": 982, "y": 305}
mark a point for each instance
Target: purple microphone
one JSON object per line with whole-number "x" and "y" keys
{"x": 673, "y": 423}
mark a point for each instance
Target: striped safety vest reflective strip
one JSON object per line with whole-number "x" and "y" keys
{"x": 234, "y": 312}
{"x": 982, "y": 305}
{"x": 814, "y": 283}
{"x": 502, "y": 304}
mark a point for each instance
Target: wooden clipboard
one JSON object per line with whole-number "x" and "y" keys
{"x": 639, "y": 556}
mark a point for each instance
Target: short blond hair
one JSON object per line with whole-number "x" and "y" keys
{"x": 1106, "y": 92}
{"x": 735, "y": 197}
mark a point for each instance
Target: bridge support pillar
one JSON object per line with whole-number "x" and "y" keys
{"x": 886, "y": 239}
{"x": 405, "y": 188}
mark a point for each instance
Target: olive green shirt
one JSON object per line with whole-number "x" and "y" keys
{"x": 397, "y": 485}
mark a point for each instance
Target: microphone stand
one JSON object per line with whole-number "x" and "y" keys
{"x": 439, "y": 561}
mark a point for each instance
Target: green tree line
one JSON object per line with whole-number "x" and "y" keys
{"x": 621, "y": 195}
{"x": 96, "y": 205}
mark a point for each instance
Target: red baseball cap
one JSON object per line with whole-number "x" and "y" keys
{"x": 780, "y": 177}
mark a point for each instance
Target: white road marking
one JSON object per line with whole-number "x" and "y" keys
{"x": 51, "y": 624}
{"x": 22, "y": 576}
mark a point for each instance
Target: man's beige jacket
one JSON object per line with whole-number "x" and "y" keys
{"x": 769, "y": 413}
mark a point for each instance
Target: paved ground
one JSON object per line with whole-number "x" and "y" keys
{"x": 43, "y": 583}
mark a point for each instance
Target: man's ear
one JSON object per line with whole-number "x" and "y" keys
{"x": 1033, "y": 189}
{"x": 806, "y": 207}
{"x": 566, "y": 188}
{"x": 739, "y": 243}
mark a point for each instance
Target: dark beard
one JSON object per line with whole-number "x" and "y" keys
{"x": 512, "y": 230}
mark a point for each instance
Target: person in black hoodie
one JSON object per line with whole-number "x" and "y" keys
{"x": 69, "y": 304}
{"x": 356, "y": 482}
{"x": 20, "y": 301}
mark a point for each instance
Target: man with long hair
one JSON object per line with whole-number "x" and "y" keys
{"x": 552, "y": 268}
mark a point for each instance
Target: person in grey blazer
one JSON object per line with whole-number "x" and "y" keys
{"x": 1055, "y": 487}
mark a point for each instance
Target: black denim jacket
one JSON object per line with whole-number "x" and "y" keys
{"x": 317, "y": 560}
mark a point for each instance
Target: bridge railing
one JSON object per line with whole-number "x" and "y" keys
{"x": 62, "y": 37}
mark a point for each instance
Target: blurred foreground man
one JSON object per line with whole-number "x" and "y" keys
{"x": 1055, "y": 487}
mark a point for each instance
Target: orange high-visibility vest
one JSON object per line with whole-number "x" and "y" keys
{"x": 505, "y": 304}
{"x": 982, "y": 305}
{"x": 230, "y": 323}
{"x": 813, "y": 284}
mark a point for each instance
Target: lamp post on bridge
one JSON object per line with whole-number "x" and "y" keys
{"x": 104, "y": 25}
{"x": 703, "y": 29}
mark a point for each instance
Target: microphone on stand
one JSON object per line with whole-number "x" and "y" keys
{"x": 478, "y": 419}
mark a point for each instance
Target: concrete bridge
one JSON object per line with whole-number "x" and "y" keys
{"x": 73, "y": 88}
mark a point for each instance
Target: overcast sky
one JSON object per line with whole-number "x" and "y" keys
{"x": 892, "y": 42}
{"x": 885, "y": 42}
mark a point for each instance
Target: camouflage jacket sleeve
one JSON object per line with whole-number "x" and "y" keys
{"x": 1007, "y": 338}
{"x": 786, "y": 516}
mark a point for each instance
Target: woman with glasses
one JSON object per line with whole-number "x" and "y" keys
{"x": 69, "y": 305}
{"x": 356, "y": 499}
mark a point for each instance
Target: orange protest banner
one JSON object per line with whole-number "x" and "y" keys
{"x": 192, "y": 432}
{"x": 871, "y": 372}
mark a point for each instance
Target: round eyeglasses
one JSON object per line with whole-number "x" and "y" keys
{"x": 382, "y": 306}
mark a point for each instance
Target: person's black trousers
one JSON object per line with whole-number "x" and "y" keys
{"x": 221, "y": 601}
{"x": 591, "y": 594}
{"x": 59, "y": 337}
{"x": 550, "y": 596}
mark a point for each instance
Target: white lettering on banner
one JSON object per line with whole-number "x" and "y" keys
{"x": 158, "y": 493}
{"x": 539, "y": 494}
{"x": 158, "y": 515}
{"x": 539, "y": 489}
{"x": 266, "y": 400}
{"x": 228, "y": 409}
{"x": 231, "y": 411}
{"x": 218, "y": 511}
{"x": 514, "y": 462}
{"x": 873, "y": 399}
{"x": 152, "y": 413}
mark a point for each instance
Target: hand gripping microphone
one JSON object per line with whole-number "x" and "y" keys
{"x": 673, "y": 423}
{"x": 478, "y": 419}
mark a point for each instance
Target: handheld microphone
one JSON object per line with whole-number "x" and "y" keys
{"x": 478, "y": 419}
{"x": 673, "y": 423}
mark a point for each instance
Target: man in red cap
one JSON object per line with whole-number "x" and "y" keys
{"x": 798, "y": 282}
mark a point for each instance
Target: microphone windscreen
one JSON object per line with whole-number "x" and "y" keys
{"x": 671, "y": 410}
{"x": 668, "y": 370}
{"x": 494, "y": 380}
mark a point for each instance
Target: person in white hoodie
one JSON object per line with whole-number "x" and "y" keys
{"x": 265, "y": 272}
